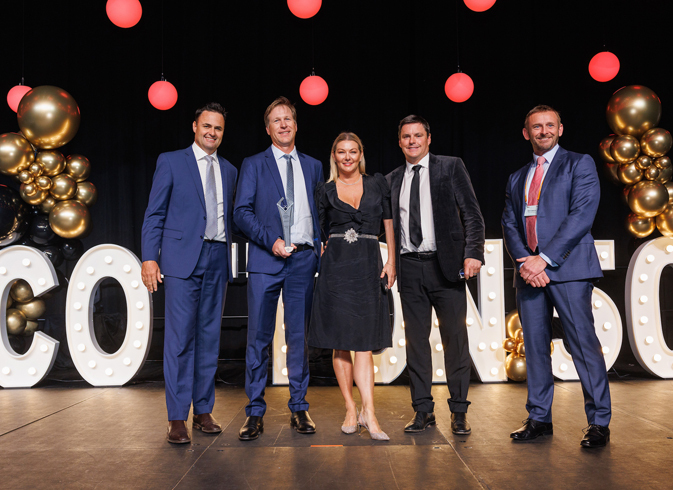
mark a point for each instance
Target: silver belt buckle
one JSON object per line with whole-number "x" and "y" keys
{"x": 351, "y": 236}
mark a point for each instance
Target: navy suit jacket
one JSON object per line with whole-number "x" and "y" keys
{"x": 175, "y": 220}
{"x": 568, "y": 203}
{"x": 256, "y": 214}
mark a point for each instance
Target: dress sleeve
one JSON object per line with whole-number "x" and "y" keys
{"x": 385, "y": 196}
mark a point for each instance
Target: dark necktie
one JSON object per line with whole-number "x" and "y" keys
{"x": 289, "y": 184}
{"x": 211, "y": 200}
{"x": 415, "y": 231}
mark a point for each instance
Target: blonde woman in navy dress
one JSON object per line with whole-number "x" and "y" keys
{"x": 350, "y": 303}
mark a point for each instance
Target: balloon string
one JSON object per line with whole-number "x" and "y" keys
{"x": 23, "y": 39}
{"x": 457, "y": 37}
{"x": 313, "y": 46}
{"x": 162, "y": 40}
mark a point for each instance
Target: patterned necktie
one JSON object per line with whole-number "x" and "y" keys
{"x": 289, "y": 185}
{"x": 211, "y": 200}
{"x": 415, "y": 231}
{"x": 533, "y": 194}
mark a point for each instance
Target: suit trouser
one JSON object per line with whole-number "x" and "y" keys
{"x": 572, "y": 301}
{"x": 423, "y": 288}
{"x": 192, "y": 336}
{"x": 296, "y": 280}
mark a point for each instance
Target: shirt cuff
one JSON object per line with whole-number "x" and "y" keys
{"x": 548, "y": 260}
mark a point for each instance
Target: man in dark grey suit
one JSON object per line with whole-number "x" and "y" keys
{"x": 440, "y": 232}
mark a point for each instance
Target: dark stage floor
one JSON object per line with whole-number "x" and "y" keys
{"x": 80, "y": 437}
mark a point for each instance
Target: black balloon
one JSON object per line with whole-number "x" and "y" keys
{"x": 14, "y": 214}
{"x": 53, "y": 252}
{"x": 40, "y": 231}
{"x": 72, "y": 249}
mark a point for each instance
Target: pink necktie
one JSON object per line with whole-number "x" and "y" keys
{"x": 533, "y": 193}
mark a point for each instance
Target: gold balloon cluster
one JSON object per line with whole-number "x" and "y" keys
{"x": 636, "y": 157}
{"x": 49, "y": 118}
{"x": 23, "y": 309}
{"x": 515, "y": 364}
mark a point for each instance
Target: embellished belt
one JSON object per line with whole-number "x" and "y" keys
{"x": 351, "y": 236}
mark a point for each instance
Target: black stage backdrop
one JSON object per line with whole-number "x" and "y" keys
{"x": 382, "y": 60}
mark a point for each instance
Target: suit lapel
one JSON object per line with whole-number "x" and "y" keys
{"x": 395, "y": 187}
{"x": 193, "y": 168}
{"x": 273, "y": 171}
{"x": 556, "y": 166}
{"x": 223, "y": 176}
{"x": 435, "y": 184}
{"x": 306, "y": 170}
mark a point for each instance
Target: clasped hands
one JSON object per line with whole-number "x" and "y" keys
{"x": 532, "y": 271}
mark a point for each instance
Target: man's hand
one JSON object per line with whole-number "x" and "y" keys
{"x": 279, "y": 249}
{"x": 531, "y": 267}
{"x": 150, "y": 274}
{"x": 471, "y": 267}
{"x": 539, "y": 281}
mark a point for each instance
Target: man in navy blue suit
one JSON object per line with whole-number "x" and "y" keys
{"x": 550, "y": 206}
{"x": 279, "y": 173}
{"x": 186, "y": 235}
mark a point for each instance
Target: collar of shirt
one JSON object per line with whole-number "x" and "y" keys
{"x": 549, "y": 156}
{"x": 200, "y": 154}
{"x": 424, "y": 162}
{"x": 278, "y": 154}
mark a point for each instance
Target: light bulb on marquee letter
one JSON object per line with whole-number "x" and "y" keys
{"x": 25, "y": 370}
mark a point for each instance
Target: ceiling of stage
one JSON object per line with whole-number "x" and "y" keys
{"x": 381, "y": 59}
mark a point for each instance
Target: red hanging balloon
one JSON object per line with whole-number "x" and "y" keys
{"x": 479, "y": 5}
{"x": 124, "y": 13}
{"x": 163, "y": 95}
{"x": 304, "y": 9}
{"x": 313, "y": 90}
{"x": 15, "y": 95}
{"x": 604, "y": 66}
{"x": 459, "y": 87}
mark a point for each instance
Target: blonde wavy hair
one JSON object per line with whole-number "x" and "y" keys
{"x": 333, "y": 168}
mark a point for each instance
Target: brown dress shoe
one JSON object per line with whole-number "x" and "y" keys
{"x": 177, "y": 432}
{"x": 206, "y": 423}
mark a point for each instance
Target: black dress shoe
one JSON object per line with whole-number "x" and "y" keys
{"x": 459, "y": 424}
{"x": 595, "y": 436}
{"x": 532, "y": 429}
{"x": 302, "y": 423}
{"x": 420, "y": 421}
{"x": 253, "y": 427}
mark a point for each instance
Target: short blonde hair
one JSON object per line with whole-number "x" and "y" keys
{"x": 333, "y": 168}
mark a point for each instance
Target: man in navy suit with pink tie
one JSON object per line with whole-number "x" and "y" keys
{"x": 185, "y": 237}
{"x": 550, "y": 206}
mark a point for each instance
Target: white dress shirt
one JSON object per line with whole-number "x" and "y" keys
{"x": 302, "y": 227}
{"x": 202, "y": 163}
{"x": 427, "y": 221}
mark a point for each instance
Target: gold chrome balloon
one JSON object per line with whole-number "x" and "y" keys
{"x": 63, "y": 187}
{"x": 633, "y": 110}
{"x": 43, "y": 182}
{"x": 643, "y": 162}
{"x": 26, "y": 177}
{"x": 36, "y": 169}
{"x": 509, "y": 345}
{"x": 70, "y": 219}
{"x": 665, "y": 221}
{"x": 521, "y": 349}
{"x": 33, "y": 309}
{"x": 53, "y": 162}
{"x": 665, "y": 175}
{"x": 87, "y": 193}
{"x": 625, "y": 194}
{"x": 625, "y": 149}
{"x": 648, "y": 198}
{"x": 9, "y": 301}
{"x": 515, "y": 367}
{"x": 652, "y": 173}
{"x": 37, "y": 197}
{"x": 518, "y": 334}
{"x": 552, "y": 347}
{"x": 639, "y": 226}
{"x": 28, "y": 190}
{"x": 78, "y": 167}
{"x": 629, "y": 174}
{"x": 604, "y": 148}
{"x": 48, "y": 117}
{"x": 612, "y": 172}
{"x": 656, "y": 142}
{"x": 31, "y": 327}
{"x": 669, "y": 188}
{"x": 21, "y": 291}
{"x": 16, "y": 322}
{"x": 663, "y": 162}
{"x": 47, "y": 205}
{"x": 16, "y": 154}
{"x": 512, "y": 322}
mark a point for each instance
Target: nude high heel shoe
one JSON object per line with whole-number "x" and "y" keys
{"x": 377, "y": 436}
{"x": 350, "y": 429}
